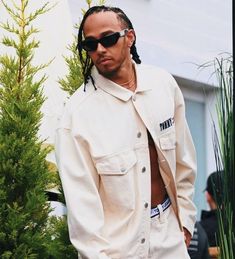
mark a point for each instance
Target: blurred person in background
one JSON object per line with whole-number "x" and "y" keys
{"x": 198, "y": 248}
{"x": 209, "y": 218}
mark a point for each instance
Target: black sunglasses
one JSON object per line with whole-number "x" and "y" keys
{"x": 106, "y": 41}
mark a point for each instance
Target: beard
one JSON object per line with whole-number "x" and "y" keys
{"x": 108, "y": 72}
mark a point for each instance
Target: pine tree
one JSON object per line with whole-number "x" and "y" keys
{"x": 60, "y": 246}
{"x": 24, "y": 174}
{"x": 74, "y": 79}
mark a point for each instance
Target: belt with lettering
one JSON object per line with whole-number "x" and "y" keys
{"x": 165, "y": 204}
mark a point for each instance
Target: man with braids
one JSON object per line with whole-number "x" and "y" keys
{"x": 124, "y": 151}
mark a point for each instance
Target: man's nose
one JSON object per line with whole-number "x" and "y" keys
{"x": 100, "y": 48}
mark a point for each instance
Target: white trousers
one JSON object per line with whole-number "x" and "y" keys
{"x": 166, "y": 238}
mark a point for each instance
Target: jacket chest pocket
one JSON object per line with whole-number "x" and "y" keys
{"x": 167, "y": 144}
{"x": 117, "y": 187}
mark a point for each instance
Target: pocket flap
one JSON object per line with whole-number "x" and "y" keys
{"x": 117, "y": 164}
{"x": 167, "y": 141}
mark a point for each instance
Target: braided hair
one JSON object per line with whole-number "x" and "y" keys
{"x": 85, "y": 60}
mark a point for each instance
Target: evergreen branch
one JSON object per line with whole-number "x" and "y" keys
{"x": 9, "y": 42}
{"x": 89, "y": 3}
{"x": 83, "y": 11}
{"x": 10, "y": 28}
{"x": 31, "y": 31}
{"x": 15, "y": 5}
{"x": 76, "y": 26}
{"x": 14, "y": 118}
{"x": 14, "y": 15}
{"x": 32, "y": 45}
{"x": 34, "y": 70}
{"x": 24, "y": 5}
{"x": 45, "y": 8}
{"x": 25, "y": 52}
{"x": 8, "y": 63}
{"x": 40, "y": 81}
{"x": 101, "y": 2}
{"x": 27, "y": 61}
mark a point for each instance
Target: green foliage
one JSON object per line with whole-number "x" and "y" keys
{"x": 225, "y": 156}
{"x": 74, "y": 79}
{"x": 24, "y": 174}
{"x": 223, "y": 141}
{"x": 60, "y": 246}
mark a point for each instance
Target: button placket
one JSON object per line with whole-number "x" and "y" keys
{"x": 144, "y": 178}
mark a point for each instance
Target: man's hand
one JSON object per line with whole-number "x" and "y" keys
{"x": 187, "y": 237}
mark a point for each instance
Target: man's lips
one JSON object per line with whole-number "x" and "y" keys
{"x": 103, "y": 60}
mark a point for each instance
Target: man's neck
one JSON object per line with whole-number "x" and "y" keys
{"x": 125, "y": 76}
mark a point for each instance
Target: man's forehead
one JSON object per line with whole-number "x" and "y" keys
{"x": 102, "y": 21}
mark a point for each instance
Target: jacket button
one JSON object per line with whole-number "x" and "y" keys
{"x": 123, "y": 170}
{"x": 143, "y": 169}
{"x": 138, "y": 134}
{"x": 142, "y": 240}
{"x": 146, "y": 205}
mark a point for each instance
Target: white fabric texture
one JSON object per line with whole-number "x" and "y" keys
{"x": 103, "y": 159}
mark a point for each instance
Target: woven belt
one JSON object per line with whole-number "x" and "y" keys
{"x": 165, "y": 204}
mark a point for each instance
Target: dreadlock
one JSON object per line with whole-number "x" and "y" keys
{"x": 85, "y": 60}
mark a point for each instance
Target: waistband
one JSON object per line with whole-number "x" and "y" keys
{"x": 165, "y": 204}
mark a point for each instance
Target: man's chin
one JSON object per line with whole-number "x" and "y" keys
{"x": 107, "y": 72}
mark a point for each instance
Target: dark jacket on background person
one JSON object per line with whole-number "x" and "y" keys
{"x": 198, "y": 248}
{"x": 210, "y": 223}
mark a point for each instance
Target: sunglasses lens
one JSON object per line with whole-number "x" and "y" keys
{"x": 90, "y": 45}
{"x": 110, "y": 40}
{"x": 106, "y": 41}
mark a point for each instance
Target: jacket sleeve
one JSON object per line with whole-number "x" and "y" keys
{"x": 185, "y": 164}
{"x": 80, "y": 183}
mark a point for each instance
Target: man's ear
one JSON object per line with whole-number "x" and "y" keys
{"x": 208, "y": 196}
{"x": 130, "y": 37}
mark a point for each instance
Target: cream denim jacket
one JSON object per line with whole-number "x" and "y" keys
{"x": 103, "y": 160}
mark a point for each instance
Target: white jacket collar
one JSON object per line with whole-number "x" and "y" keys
{"x": 143, "y": 84}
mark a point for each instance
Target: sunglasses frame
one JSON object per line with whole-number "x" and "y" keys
{"x": 116, "y": 35}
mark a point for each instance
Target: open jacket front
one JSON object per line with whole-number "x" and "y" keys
{"x": 103, "y": 159}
